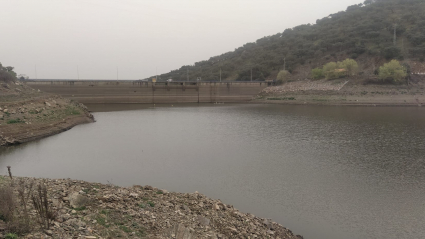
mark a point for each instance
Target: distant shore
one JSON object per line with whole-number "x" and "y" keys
{"x": 342, "y": 92}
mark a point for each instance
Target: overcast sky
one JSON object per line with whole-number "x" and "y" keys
{"x": 57, "y": 39}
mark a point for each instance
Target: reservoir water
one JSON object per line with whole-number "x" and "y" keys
{"x": 323, "y": 172}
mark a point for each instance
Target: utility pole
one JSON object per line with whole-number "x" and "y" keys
{"x": 187, "y": 73}
{"x": 395, "y": 34}
{"x": 35, "y": 70}
{"x": 220, "y": 74}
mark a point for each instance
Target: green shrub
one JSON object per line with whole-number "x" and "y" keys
{"x": 317, "y": 73}
{"x": 392, "y": 70}
{"x": 11, "y": 236}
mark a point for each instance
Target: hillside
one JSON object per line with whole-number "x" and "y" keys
{"x": 364, "y": 32}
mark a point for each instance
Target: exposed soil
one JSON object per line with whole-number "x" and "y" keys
{"x": 27, "y": 114}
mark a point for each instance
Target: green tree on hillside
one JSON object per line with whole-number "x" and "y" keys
{"x": 392, "y": 70}
{"x": 7, "y": 73}
{"x": 282, "y": 76}
{"x": 350, "y": 66}
{"x": 330, "y": 70}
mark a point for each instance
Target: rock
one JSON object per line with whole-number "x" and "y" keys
{"x": 5, "y": 110}
{"x": 49, "y": 232}
{"x": 134, "y": 195}
{"x": 90, "y": 237}
{"x": 203, "y": 220}
{"x": 77, "y": 200}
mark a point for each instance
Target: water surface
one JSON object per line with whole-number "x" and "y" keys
{"x": 323, "y": 172}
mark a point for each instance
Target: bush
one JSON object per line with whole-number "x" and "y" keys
{"x": 282, "y": 76}
{"x": 392, "y": 70}
{"x": 317, "y": 73}
{"x": 350, "y": 66}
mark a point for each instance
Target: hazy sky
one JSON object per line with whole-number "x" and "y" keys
{"x": 140, "y": 37}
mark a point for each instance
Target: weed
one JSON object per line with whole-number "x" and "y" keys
{"x": 7, "y": 204}
{"x": 102, "y": 221}
{"x": 159, "y": 192}
{"x": 72, "y": 111}
{"x": 15, "y": 121}
{"x": 125, "y": 229}
{"x": 104, "y": 212}
{"x": 151, "y": 204}
{"x": 80, "y": 208}
{"x": 11, "y": 236}
{"x": 41, "y": 205}
{"x": 141, "y": 205}
{"x": 145, "y": 199}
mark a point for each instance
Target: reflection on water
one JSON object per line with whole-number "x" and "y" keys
{"x": 324, "y": 172}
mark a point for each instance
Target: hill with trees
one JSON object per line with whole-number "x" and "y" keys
{"x": 373, "y": 33}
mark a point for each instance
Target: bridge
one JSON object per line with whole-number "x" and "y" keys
{"x": 127, "y": 91}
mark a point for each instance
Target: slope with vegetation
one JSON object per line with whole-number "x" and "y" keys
{"x": 372, "y": 33}
{"x": 27, "y": 114}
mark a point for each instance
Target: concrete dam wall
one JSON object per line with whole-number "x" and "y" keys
{"x": 92, "y": 92}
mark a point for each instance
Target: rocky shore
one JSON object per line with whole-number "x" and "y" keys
{"x": 92, "y": 210}
{"x": 345, "y": 92}
{"x": 27, "y": 114}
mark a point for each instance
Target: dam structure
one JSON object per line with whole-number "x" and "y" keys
{"x": 127, "y": 91}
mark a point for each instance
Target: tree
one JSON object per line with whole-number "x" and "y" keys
{"x": 392, "y": 70}
{"x": 282, "y": 76}
{"x": 350, "y": 66}
{"x": 329, "y": 70}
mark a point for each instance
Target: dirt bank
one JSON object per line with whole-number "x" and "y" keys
{"x": 93, "y": 210}
{"x": 344, "y": 92}
{"x": 27, "y": 114}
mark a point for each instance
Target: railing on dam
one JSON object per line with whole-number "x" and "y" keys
{"x": 109, "y": 91}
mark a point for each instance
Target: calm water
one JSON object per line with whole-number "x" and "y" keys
{"x": 323, "y": 172}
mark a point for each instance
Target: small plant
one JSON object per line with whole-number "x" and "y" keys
{"x": 7, "y": 204}
{"x": 15, "y": 121}
{"x": 41, "y": 205}
{"x": 141, "y": 205}
{"x": 11, "y": 236}
{"x": 159, "y": 192}
{"x": 125, "y": 229}
{"x": 80, "y": 208}
{"x": 151, "y": 204}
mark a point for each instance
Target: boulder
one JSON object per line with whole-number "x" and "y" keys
{"x": 77, "y": 200}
